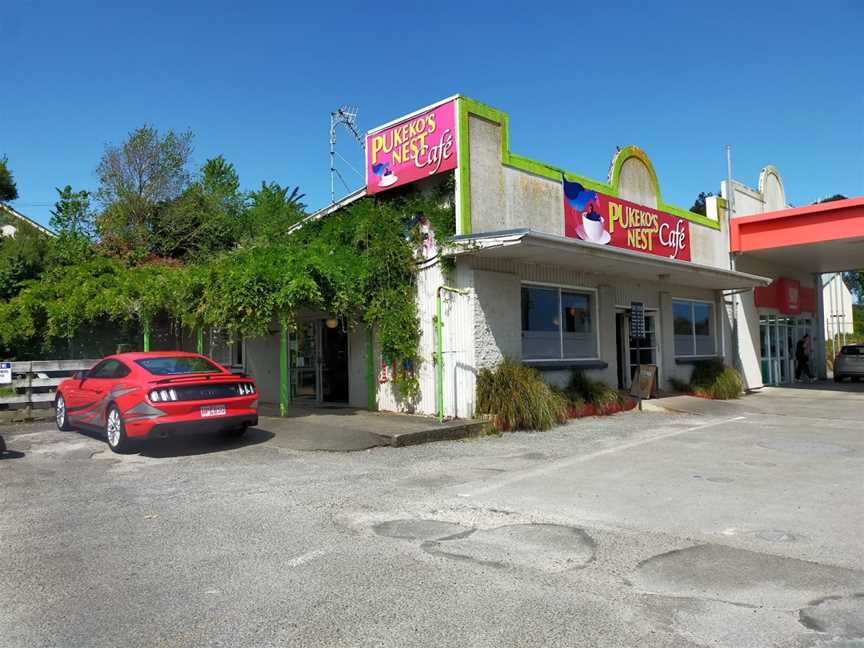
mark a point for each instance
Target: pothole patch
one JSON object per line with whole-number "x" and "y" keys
{"x": 805, "y": 447}
{"x": 409, "y": 529}
{"x": 549, "y": 548}
{"x": 745, "y": 577}
{"x": 841, "y": 617}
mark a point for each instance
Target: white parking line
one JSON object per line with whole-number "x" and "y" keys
{"x": 572, "y": 461}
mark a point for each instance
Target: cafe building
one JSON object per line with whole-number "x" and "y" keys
{"x": 552, "y": 268}
{"x": 564, "y": 272}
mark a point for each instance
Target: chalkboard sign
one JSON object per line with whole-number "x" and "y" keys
{"x": 645, "y": 382}
{"x": 637, "y": 319}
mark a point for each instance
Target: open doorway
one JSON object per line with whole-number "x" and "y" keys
{"x": 634, "y": 351}
{"x": 319, "y": 362}
{"x": 334, "y": 363}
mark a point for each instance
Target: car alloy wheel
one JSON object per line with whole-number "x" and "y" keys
{"x": 114, "y": 427}
{"x": 60, "y": 414}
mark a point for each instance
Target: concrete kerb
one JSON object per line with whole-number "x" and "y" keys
{"x": 351, "y": 430}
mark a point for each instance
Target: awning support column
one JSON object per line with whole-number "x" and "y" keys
{"x": 818, "y": 333}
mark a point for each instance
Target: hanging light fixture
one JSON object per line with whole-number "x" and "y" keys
{"x": 331, "y": 322}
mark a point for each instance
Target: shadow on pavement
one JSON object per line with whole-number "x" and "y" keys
{"x": 198, "y": 444}
{"x": 10, "y": 454}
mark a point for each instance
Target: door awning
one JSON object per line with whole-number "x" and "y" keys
{"x": 528, "y": 246}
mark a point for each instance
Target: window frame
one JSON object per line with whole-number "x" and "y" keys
{"x": 712, "y": 321}
{"x": 594, "y": 308}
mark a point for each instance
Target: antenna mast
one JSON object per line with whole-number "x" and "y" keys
{"x": 347, "y": 116}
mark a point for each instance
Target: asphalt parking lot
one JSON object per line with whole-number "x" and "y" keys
{"x": 738, "y": 526}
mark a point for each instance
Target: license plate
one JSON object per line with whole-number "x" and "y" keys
{"x": 213, "y": 410}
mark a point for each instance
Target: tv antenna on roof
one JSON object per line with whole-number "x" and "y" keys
{"x": 347, "y": 116}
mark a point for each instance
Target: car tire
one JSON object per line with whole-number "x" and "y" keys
{"x": 237, "y": 432}
{"x": 115, "y": 431}
{"x": 61, "y": 417}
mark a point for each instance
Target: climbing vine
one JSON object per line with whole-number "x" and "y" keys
{"x": 359, "y": 263}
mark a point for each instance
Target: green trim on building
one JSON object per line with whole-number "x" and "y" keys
{"x": 467, "y": 107}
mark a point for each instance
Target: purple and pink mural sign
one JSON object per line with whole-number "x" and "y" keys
{"x": 597, "y": 218}
{"x": 417, "y": 147}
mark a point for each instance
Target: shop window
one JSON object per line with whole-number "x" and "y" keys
{"x": 693, "y": 323}
{"x": 557, "y": 324}
{"x": 223, "y": 350}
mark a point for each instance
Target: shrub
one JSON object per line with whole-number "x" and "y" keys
{"x": 713, "y": 379}
{"x": 680, "y": 385}
{"x": 589, "y": 398}
{"x": 594, "y": 393}
{"x": 518, "y": 399}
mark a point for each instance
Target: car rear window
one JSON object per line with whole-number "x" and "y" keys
{"x": 852, "y": 350}
{"x": 178, "y": 365}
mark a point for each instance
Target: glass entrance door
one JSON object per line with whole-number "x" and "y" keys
{"x": 304, "y": 362}
{"x": 643, "y": 351}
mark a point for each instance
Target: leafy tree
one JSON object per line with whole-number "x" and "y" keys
{"x": 73, "y": 220}
{"x": 135, "y": 179}
{"x": 272, "y": 211}
{"x": 205, "y": 219}
{"x": 8, "y": 188}
{"x": 72, "y": 213}
{"x": 22, "y": 258}
{"x": 699, "y": 204}
{"x": 831, "y": 198}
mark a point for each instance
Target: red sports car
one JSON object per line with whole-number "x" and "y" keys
{"x": 139, "y": 395}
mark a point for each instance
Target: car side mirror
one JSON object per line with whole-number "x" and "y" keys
{"x": 79, "y": 375}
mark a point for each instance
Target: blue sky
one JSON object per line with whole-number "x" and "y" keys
{"x": 256, "y": 81}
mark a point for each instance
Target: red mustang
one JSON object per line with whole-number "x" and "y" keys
{"x": 138, "y": 395}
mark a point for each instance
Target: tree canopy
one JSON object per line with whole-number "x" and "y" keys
{"x": 8, "y": 188}
{"x": 158, "y": 239}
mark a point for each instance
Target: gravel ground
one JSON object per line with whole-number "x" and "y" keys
{"x": 642, "y": 529}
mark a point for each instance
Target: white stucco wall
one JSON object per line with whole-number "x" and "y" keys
{"x": 457, "y": 333}
{"x": 498, "y": 324}
{"x": 837, "y": 299}
{"x": 262, "y": 363}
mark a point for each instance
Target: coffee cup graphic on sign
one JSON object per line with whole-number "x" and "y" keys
{"x": 590, "y": 224}
{"x": 387, "y": 176}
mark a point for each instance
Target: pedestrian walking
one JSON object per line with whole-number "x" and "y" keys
{"x": 802, "y": 358}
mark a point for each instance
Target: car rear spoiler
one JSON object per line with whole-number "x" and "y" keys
{"x": 195, "y": 378}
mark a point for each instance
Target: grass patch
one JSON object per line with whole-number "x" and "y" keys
{"x": 518, "y": 399}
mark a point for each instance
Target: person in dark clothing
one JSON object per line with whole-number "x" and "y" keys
{"x": 802, "y": 358}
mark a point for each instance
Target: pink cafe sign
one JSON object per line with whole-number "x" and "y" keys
{"x": 414, "y": 148}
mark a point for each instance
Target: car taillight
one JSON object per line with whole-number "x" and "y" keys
{"x": 246, "y": 389}
{"x": 163, "y": 395}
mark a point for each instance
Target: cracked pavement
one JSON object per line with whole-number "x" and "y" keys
{"x": 740, "y": 527}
